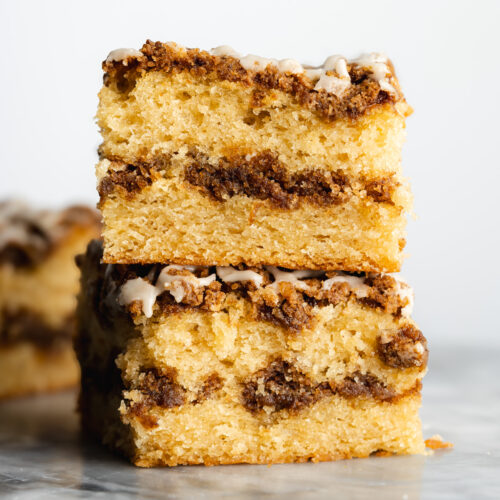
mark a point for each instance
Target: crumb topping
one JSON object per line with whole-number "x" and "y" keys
{"x": 287, "y": 298}
{"x": 339, "y": 88}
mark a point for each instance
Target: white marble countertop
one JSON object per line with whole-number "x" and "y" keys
{"x": 43, "y": 456}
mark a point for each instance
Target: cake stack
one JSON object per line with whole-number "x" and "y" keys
{"x": 239, "y": 308}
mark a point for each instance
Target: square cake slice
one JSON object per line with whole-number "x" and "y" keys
{"x": 217, "y": 159}
{"x": 38, "y": 287}
{"x": 202, "y": 365}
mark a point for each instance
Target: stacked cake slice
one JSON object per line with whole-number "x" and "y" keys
{"x": 238, "y": 309}
{"x": 38, "y": 284}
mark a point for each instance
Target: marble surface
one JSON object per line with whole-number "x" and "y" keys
{"x": 43, "y": 456}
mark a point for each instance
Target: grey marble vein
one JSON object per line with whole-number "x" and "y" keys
{"x": 43, "y": 456}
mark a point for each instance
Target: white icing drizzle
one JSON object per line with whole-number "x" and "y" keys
{"x": 13, "y": 234}
{"x": 379, "y": 65}
{"x": 225, "y": 50}
{"x": 419, "y": 348}
{"x": 356, "y": 283}
{"x": 256, "y": 63}
{"x": 173, "y": 282}
{"x": 229, "y": 275}
{"x": 333, "y": 84}
{"x": 122, "y": 55}
{"x": 405, "y": 291}
{"x": 290, "y": 66}
{"x": 141, "y": 289}
{"x": 338, "y": 64}
{"x": 292, "y": 276}
{"x": 331, "y": 76}
{"x": 313, "y": 74}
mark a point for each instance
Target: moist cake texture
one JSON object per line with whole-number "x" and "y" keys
{"x": 186, "y": 365}
{"x": 38, "y": 286}
{"x": 229, "y": 159}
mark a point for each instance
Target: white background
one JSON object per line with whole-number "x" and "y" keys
{"x": 446, "y": 54}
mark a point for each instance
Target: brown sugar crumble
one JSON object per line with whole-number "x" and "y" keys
{"x": 381, "y": 190}
{"x": 278, "y": 386}
{"x": 262, "y": 176}
{"x": 161, "y": 388}
{"x": 364, "y": 385}
{"x": 288, "y": 309}
{"x": 281, "y": 385}
{"x": 401, "y": 350}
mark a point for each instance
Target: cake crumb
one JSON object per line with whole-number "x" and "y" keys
{"x": 436, "y": 443}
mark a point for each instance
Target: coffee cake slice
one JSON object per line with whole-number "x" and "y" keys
{"x": 197, "y": 365}
{"x": 217, "y": 159}
{"x": 38, "y": 286}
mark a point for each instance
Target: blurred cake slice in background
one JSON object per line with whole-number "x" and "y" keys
{"x": 38, "y": 286}
{"x": 209, "y": 157}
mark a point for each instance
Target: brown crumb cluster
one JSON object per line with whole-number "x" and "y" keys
{"x": 161, "y": 388}
{"x": 261, "y": 176}
{"x": 383, "y": 295}
{"x": 363, "y": 94}
{"x": 365, "y": 385}
{"x": 209, "y": 298}
{"x": 292, "y": 308}
{"x": 286, "y": 308}
{"x": 400, "y": 350}
{"x": 27, "y": 326}
{"x": 130, "y": 179}
{"x": 381, "y": 190}
{"x": 281, "y": 386}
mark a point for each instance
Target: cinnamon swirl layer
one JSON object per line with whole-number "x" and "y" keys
{"x": 252, "y": 210}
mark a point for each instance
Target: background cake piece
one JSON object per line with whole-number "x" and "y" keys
{"x": 186, "y": 365}
{"x": 214, "y": 158}
{"x": 38, "y": 286}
